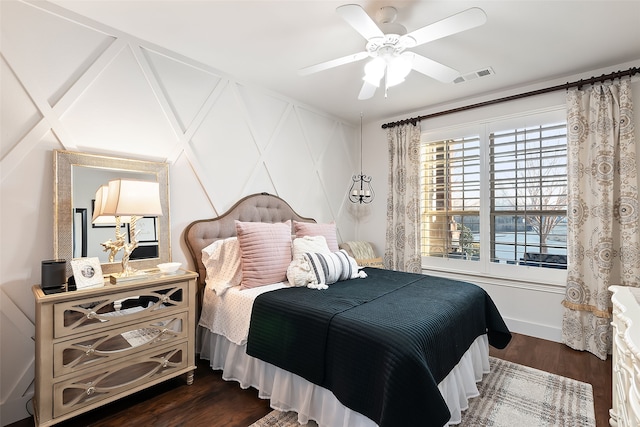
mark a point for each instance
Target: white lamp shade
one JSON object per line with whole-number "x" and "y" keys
{"x": 130, "y": 197}
{"x": 98, "y": 209}
{"x": 101, "y": 198}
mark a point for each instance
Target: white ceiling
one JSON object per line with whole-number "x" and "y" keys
{"x": 265, "y": 42}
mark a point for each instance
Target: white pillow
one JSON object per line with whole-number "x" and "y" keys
{"x": 327, "y": 269}
{"x": 299, "y": 272}
{"x": 222, "y": 260}
{"x": 310, "y": 244}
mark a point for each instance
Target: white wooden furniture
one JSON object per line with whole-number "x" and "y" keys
{"x": 94, "y": 346}
{"x": 626, "y": 357}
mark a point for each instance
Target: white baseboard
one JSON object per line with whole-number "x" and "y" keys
{"x": 545, "y": 332}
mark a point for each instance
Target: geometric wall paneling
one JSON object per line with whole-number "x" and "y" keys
{"x": 264, "y": 112}
{"x": 17, "y": 365}
{"x": 224, "y": 148}
{"x": 76, "y": 48}
{"x": 289, "y": 160}
{"x": 319, "y": 130}
{"x": 72, "y": 83}
{"x": 259, "y": 181}
{"x": 185, "y": 87}
{"x": 18, "y": 112}
{"x": 336, "y": 168}
{"x": 181, "y": 178}
{"x": 315, "y": 201}
{"x": 120, "y": 95}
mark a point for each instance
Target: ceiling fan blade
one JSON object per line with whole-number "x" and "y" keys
{"x": 359, "y": 20}
{"x": 433, "y": 69}
{"x": 367, "y": 91}
{"x": 457, "y": 23}
{"x": 333, "y": 63}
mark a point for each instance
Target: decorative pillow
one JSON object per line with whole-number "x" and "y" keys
{"x": 358, "y": 249}
{"x": 327, "y": 269}
{"x": 372, "y": 262}
{"x": 299, "y": 272}
{"x": 266, "y": 252}
{"x": 222, "y": 262}
{"x": 309, "y": 244}
{"x": 313, "y": 229}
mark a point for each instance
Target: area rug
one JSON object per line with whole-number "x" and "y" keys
{"x": 511, "y": 395}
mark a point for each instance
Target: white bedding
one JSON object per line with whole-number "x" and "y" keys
{"x": 223, "y": 334}
{"x": 229, "y": 315}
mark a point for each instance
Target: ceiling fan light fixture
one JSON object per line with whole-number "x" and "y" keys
{"x": 398, "y": 69}
{"x": 374, "y": 71}
{"x": 387, "y": 42}
{"x": 372, "y": 80}
{"x": 375, "y": 67}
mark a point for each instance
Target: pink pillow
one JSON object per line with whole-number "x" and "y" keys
{"x": 313, "y": 229}
{"x": 266, "y": 252}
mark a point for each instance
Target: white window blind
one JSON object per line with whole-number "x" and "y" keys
{"x": 497, "y": 195}
{"x": 528, "y": 183}
{"x": 451, "y": 198}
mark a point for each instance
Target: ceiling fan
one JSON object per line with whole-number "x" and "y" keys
{"x": 387, "y": 43}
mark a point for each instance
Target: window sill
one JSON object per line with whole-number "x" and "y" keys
{"x": 550, "y": 286}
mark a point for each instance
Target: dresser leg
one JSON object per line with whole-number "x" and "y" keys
{"x": 190, "y": 377}
{"x": 613, "y": 418}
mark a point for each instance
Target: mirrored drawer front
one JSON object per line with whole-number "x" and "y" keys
{"x": 113, "y": 309}
{"x": 81, "y": 353}
{"x": 93, "y": 387}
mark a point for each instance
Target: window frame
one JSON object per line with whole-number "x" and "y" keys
{"x": 484, "y": 267}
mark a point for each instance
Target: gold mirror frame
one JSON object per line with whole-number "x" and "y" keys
{"x": 63, "y": 163}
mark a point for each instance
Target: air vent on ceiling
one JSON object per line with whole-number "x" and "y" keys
{"x": 476, "y": 74}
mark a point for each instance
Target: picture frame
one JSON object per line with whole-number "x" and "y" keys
{"x": 87, "y": 272}
{"x": 146, "y": 228}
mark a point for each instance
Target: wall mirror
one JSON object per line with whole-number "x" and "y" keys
{"x": 77, "y": 178}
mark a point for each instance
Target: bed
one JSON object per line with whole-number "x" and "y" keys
{"x": 381, "y": 348}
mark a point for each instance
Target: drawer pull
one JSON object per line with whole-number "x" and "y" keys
{"x": 90, "y": 391}
{"x": 165, "y": 299}
{"x": 90, "y": 351}
{"x": 91, "y": 315}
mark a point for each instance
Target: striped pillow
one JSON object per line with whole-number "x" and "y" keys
{"x": 330, "y": 268}
{"x": 265, "y": 251}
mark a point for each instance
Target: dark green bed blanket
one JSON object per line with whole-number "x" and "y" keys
{"x": 380, "y": 344}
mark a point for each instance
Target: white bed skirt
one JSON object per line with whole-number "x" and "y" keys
{"x": 289, "y": 392}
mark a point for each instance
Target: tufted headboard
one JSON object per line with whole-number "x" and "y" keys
{"x": 261, "y": 207}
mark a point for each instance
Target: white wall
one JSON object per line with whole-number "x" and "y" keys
{"x": 70, "y": 83}
{"x": 529, "y": 307}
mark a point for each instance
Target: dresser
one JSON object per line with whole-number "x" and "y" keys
{"x": 94, "y": 346}
{"x": 625, "y": 411}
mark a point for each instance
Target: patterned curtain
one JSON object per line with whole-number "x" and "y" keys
{"x": 603, "y": 237}
{"x": 402, "y": 246}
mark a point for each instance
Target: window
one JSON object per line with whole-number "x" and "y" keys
{"x": 528, "y": 182}
{"x": 497, "y": 195}
{"x": 451, "y": 198}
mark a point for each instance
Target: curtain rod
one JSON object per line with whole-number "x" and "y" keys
{"x": 615, "y": 75}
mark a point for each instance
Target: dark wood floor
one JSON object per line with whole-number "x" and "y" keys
{"x": 210, "y": 401}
